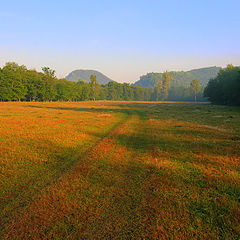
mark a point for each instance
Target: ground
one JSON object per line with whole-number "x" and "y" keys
{"x": 119, "y": 170}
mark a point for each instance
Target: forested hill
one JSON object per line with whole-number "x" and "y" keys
{"x": 180, "y": 78}
{"x": 85, "y": 75}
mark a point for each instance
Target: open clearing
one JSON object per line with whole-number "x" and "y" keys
{"x": 119, "y": 170}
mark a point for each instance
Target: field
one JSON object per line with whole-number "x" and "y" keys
{"x": 119, "y": 170}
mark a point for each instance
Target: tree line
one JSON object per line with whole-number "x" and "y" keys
{"x": 17, "y": 83}
{"x": 225, "y": 88}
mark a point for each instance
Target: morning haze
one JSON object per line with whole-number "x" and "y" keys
{"x": 120, "y": 119}
{"x": 122, "y": 39}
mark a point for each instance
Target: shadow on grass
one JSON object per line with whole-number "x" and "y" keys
{"x": 90, "y": 109}
{"x": 140, "y": 112}
{"x": 174, "y": 144}
{"x": 129, "y": 197}
{"x": 43, "y": 174}
{"x": 137, "y": 203}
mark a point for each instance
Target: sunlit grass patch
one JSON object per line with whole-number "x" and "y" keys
{"x": 37, "y": 147}
{"x": 116, "y": 170}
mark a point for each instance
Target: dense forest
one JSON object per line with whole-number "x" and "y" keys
{"x": 17, "y": 83}
{"x": 225, "y": 88}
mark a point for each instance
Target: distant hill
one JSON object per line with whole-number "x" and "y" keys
{"x": 85, "y": 75}
{"x": 180, "y": 78}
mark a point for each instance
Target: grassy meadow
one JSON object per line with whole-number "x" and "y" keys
{"x": 119, "y": 170}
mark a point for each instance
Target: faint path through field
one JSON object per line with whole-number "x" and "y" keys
{"x": 16, "y": 203}
{"x": 149, "y": 177}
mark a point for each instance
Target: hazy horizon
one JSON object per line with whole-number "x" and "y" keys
{"x": 123, "y": 40}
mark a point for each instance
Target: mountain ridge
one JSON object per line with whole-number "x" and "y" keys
{"x": 180, "y": 78}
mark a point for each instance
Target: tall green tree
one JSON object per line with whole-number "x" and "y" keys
{"x": 195, "y": 88}
{"x": 157, "y": 93}
{"x": 49, "y": 92}
{"x": 161, "y": 87}
{"x": 14, "y": 77}
{"x": 86, "y": 92}
{"x": 225, "y": 88}
{"x": 33, "y": 83}
{"x": 94, "y": 87}
{"x": 5, "y": 87}
{"x": 112, "y": 91}
{"x": 166, "y": 79}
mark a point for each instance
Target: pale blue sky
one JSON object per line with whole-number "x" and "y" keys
{"x": 122, "y": 39}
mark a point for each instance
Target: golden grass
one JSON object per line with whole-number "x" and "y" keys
{"x": 118, "y": 170}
